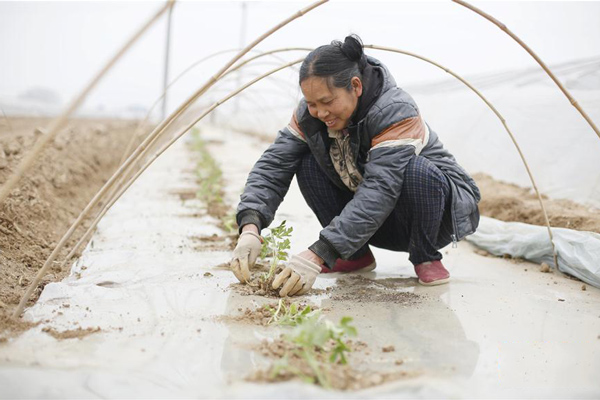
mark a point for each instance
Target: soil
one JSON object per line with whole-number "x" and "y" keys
{"x": 42, "y": 207}
{"x": 376, "y": 295}
{"x": 508, "y": 202}
{"x": 184, "y": 194}
{"x": 359, "y": 289}
{"x": 70, "y": 334}
{"x": 10, "y": 326}
{"x": 355, "y": 288}
{"x": 544, "y": 267}
{"x": 257, "y": 286}
{"x": 358, "y": 373}
{"x": 258, "y": 316}
{"x": 215, "y": 242}
{"x": 342, "y": 377}
{"x": 261, "y": 315}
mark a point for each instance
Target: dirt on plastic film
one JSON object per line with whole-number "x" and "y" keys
{"x": 77, "y": 333}
{"x": 263, "y": 315}
{"x": 368, "y": 291}
{"x": 215, "y": 242}
{"x": 354, "y": 288}
{"x": 365, "y": 367}
{"x": 49, "y": 197}
{"x": 345, "y": 377}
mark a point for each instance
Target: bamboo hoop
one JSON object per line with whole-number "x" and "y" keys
{"x": 150, "y": 139}
{"x": 267, "y": 53}
{"x": 536, "y": 58}
{"x": 59, "y": 122}
{"x": 122, "y": 189}
{"x": 463, "y": 81}
{"x": 111, "y": 202}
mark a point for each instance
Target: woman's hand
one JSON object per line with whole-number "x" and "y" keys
{"x": 299, "y": 275}
{"x": 246, "y": 252}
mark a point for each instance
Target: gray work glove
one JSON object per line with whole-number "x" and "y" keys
{"x": 297, "y": 278}
{"x": 245, "y": 254}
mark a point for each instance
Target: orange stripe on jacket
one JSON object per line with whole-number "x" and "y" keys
{"x": 409, "y": 128}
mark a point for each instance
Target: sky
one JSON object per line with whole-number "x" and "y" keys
{"x": 59, "y": 46}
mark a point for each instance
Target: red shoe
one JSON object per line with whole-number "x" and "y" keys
{"x": 364, "y": 264}
{"x": 432, "y": 273}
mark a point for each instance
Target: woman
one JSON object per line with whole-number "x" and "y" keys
{"x": 367, "y": 165}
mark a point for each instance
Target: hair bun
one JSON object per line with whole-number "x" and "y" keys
{"x": 352, "y": 48}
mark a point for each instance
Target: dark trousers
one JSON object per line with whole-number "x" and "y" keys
{"x": 420, "y": 224}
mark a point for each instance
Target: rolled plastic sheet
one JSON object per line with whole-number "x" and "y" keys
{"x": 578, "y": 252}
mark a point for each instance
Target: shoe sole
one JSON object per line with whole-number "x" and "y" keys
{"x": 435, "y": 283}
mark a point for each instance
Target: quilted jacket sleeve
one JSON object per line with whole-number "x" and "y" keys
{"x": 401, "y": 134}
{"x": 271, "y": 176}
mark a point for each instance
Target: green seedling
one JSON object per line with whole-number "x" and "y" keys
{"x": 275, "y": 247}
{"x": 209, "y": 174}
{"x": 210, "y": 180}
{"x": 318, "y": 342}
{"x": 317, "y": 333}
{"x": 229, "y": 223}
{"x": 291, "y": 315}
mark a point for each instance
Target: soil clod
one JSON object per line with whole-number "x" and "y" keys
{"x": 70, "y": 334}
{"x": 544, "y": 268}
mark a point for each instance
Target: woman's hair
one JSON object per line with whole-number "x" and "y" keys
{"x": 337, "y": 62}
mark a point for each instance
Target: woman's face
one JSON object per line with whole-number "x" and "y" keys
{"x": 334, "y": 106}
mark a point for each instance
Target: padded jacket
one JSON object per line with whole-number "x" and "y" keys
{"x": 386, "y": 131}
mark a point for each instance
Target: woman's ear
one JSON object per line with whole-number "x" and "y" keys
{"x": 356, "y": 86}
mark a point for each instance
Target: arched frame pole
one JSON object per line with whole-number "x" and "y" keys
{"x": 496, "y": 112}
{"x": 150, "y": 139}
{"x": 122, "y": 190}
{"x": 59, "y": 122}
{"x": 504, "y": 28}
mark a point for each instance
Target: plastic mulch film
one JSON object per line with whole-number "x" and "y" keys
{"x": 578, "y": 252}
